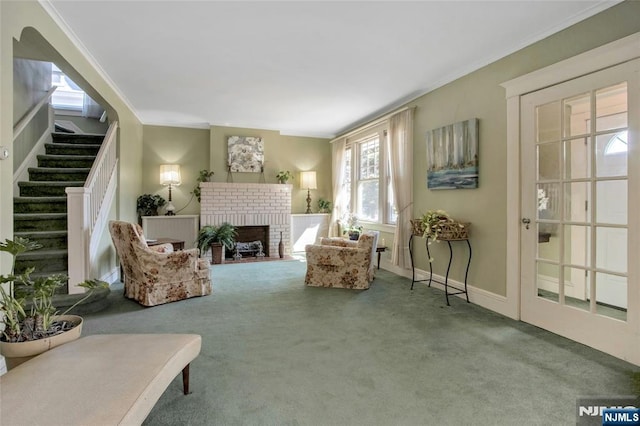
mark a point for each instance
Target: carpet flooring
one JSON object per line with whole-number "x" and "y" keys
{"x": 275, "y": 352}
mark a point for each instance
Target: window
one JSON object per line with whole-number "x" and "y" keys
{"x": 67, "y": 95}
{"x": 366, "y": 185}
{"x": 617, "y": 144}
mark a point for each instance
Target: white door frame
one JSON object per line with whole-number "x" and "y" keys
{"x": 611, "y": 54}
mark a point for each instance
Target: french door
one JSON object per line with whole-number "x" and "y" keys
{"x": 580, "y": 203}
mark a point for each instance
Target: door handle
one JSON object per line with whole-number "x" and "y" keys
{"x": 526, "y": 221}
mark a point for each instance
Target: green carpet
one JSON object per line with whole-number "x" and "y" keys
{"x": 275, "y": 352}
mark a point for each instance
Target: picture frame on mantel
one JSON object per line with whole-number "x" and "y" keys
{"x": 452, "y": 156}
{"x": 245, "y": 154}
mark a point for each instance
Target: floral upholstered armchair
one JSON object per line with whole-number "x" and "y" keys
{"x": 157, "y": 275}
{"x": 341, "y": 263}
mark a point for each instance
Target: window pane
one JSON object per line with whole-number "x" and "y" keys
{"x": 368, "y": 200}
{"x": 548, "y": 122}
{"x": 577, "y": 164}
{"x": 611, "y": 107}
{"x": 611, "y": 154}
{"x": 577, "y": 112}
{"x": 611, "y": 201}
{"x": 549, "y": 161}
{"x": 369, "y": 159}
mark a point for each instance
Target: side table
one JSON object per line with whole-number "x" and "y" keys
{"x": 446, "y": 280}
{"x": 380, "y": 250}
{"x": 177, "y": 244}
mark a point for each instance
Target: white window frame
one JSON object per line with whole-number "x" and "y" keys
{"x": 384, "y": 208}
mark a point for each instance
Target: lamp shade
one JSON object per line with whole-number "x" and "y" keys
{"x": 170, "y": 174}
{"x": 308, "y": 180}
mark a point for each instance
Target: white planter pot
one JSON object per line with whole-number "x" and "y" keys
{"x": 17, "y": 353}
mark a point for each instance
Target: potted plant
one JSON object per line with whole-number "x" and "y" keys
{"x": 148, "y": 205}
{"x": 31, "y": 324}
{"x": 437, "y": 225}
{"x": 283, "y": 176}
{"x": 203, "y": 176}
{"x": 324, "y": 206}
{"x": 216, "y": 238}
{"x": 352, "y": 228}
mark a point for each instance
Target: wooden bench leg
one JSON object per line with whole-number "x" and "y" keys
{"x": 185, "y": 379}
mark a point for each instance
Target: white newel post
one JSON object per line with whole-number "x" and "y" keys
{"x": 78, "y": 228}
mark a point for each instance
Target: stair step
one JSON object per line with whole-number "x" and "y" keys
{"x": 48, "y": 239}
{"x": 63, "y": 161}
{"x": 71, "y": 149}
{"x": 27, "y": 222}
{"x": 40, "y": 204}
{"x": 77, "y": 138}
{"x": 43, "y": 174}
{"x": 44, "y": 261}
{"x": 46, "y": 189}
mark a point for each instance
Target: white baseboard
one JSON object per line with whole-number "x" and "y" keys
{"x": 111, "y": 276}
{"x": 486, "y": 299}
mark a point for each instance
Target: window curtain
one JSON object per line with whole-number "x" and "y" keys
{"x": 400, "y": 149}
{"x": 90, "y": 108}
{"x": 337, "y": 156}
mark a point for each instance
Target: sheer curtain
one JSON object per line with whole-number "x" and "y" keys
{"x": 400, "y": 149}
{"x": 337, "y": 151}
{"x": 91, "y": 108}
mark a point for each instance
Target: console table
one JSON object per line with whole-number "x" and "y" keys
{"x": 446, "y": 280}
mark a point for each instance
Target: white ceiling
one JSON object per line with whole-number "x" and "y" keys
{"x": 303, "y": 68}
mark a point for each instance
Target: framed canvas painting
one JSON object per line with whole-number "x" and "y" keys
{"x": 246, "y": 154}
{"x": 452, "y": 156}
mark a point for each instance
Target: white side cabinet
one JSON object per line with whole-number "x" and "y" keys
{"x": 308, "y": 229}
{"x": 180, "y": 227}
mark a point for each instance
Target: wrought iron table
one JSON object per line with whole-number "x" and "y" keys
{"x": 446, "y": 280}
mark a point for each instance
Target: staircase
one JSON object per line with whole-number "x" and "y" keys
{"x": 40, "y": 212}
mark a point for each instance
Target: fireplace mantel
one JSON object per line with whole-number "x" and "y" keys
{"x": 249, "y": 204}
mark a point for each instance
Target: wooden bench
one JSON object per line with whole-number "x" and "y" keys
{"x": 110, "y": 379}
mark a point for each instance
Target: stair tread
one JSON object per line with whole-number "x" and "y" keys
{"x": 36, "y": 254}
{"x": 36, "y": 233}
{"x": 66, "y": 157}
{"x": 71, "y": 145}
{"x": 60, "y": 169}
{"x": 38, "y": 215}
{"x": 52, "y": 183}
{"x": 77, "y": 135}
{"x": 49, "y": 199}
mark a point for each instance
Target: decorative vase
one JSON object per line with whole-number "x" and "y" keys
{"x": 281, "y": 247}
{"x": 17, "y": 353}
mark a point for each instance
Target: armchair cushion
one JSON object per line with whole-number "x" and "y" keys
{"x": 152, "y": 277}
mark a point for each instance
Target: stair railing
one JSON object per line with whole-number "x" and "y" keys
{"x": 88, "y": 209}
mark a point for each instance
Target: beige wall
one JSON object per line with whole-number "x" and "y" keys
{"x": 291, "y": 153}
{"x": 172, "y": 145}
{"x": 480, "y": 95}
{"x": 28, "y": 22}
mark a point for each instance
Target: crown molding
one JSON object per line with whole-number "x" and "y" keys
{"x": 50, "y": 9}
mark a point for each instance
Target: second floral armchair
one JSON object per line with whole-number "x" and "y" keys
{"x": 340, "y": 263}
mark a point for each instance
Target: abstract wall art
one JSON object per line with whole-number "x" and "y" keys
{"x": 452, "y": 156}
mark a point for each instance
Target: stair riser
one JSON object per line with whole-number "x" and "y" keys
{"x": 77, "y": 139}
{"x": 42, "y": 191}
{"x": 63, "y": 163}
{"x": 51, "y": 241}
{"x": 40, "y": 207}
{"x": 20, "y": 225}
{"x": 61, "y": 176}
{"x": 54, "y": 149}
{"x": 49, "y": 264}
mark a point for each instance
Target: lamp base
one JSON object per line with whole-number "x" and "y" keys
{"x": 170, "y": 209}
{"x": 308, "y": 202}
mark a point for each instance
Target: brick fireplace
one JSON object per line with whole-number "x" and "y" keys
{"x": 249, "y": 204}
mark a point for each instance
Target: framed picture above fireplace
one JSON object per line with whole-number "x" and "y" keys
{"x": 246, "y": 154}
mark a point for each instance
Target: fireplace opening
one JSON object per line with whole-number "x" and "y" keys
{"x": 247, "y": 242}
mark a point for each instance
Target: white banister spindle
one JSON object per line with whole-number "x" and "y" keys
{"x": 87, "y": 211}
